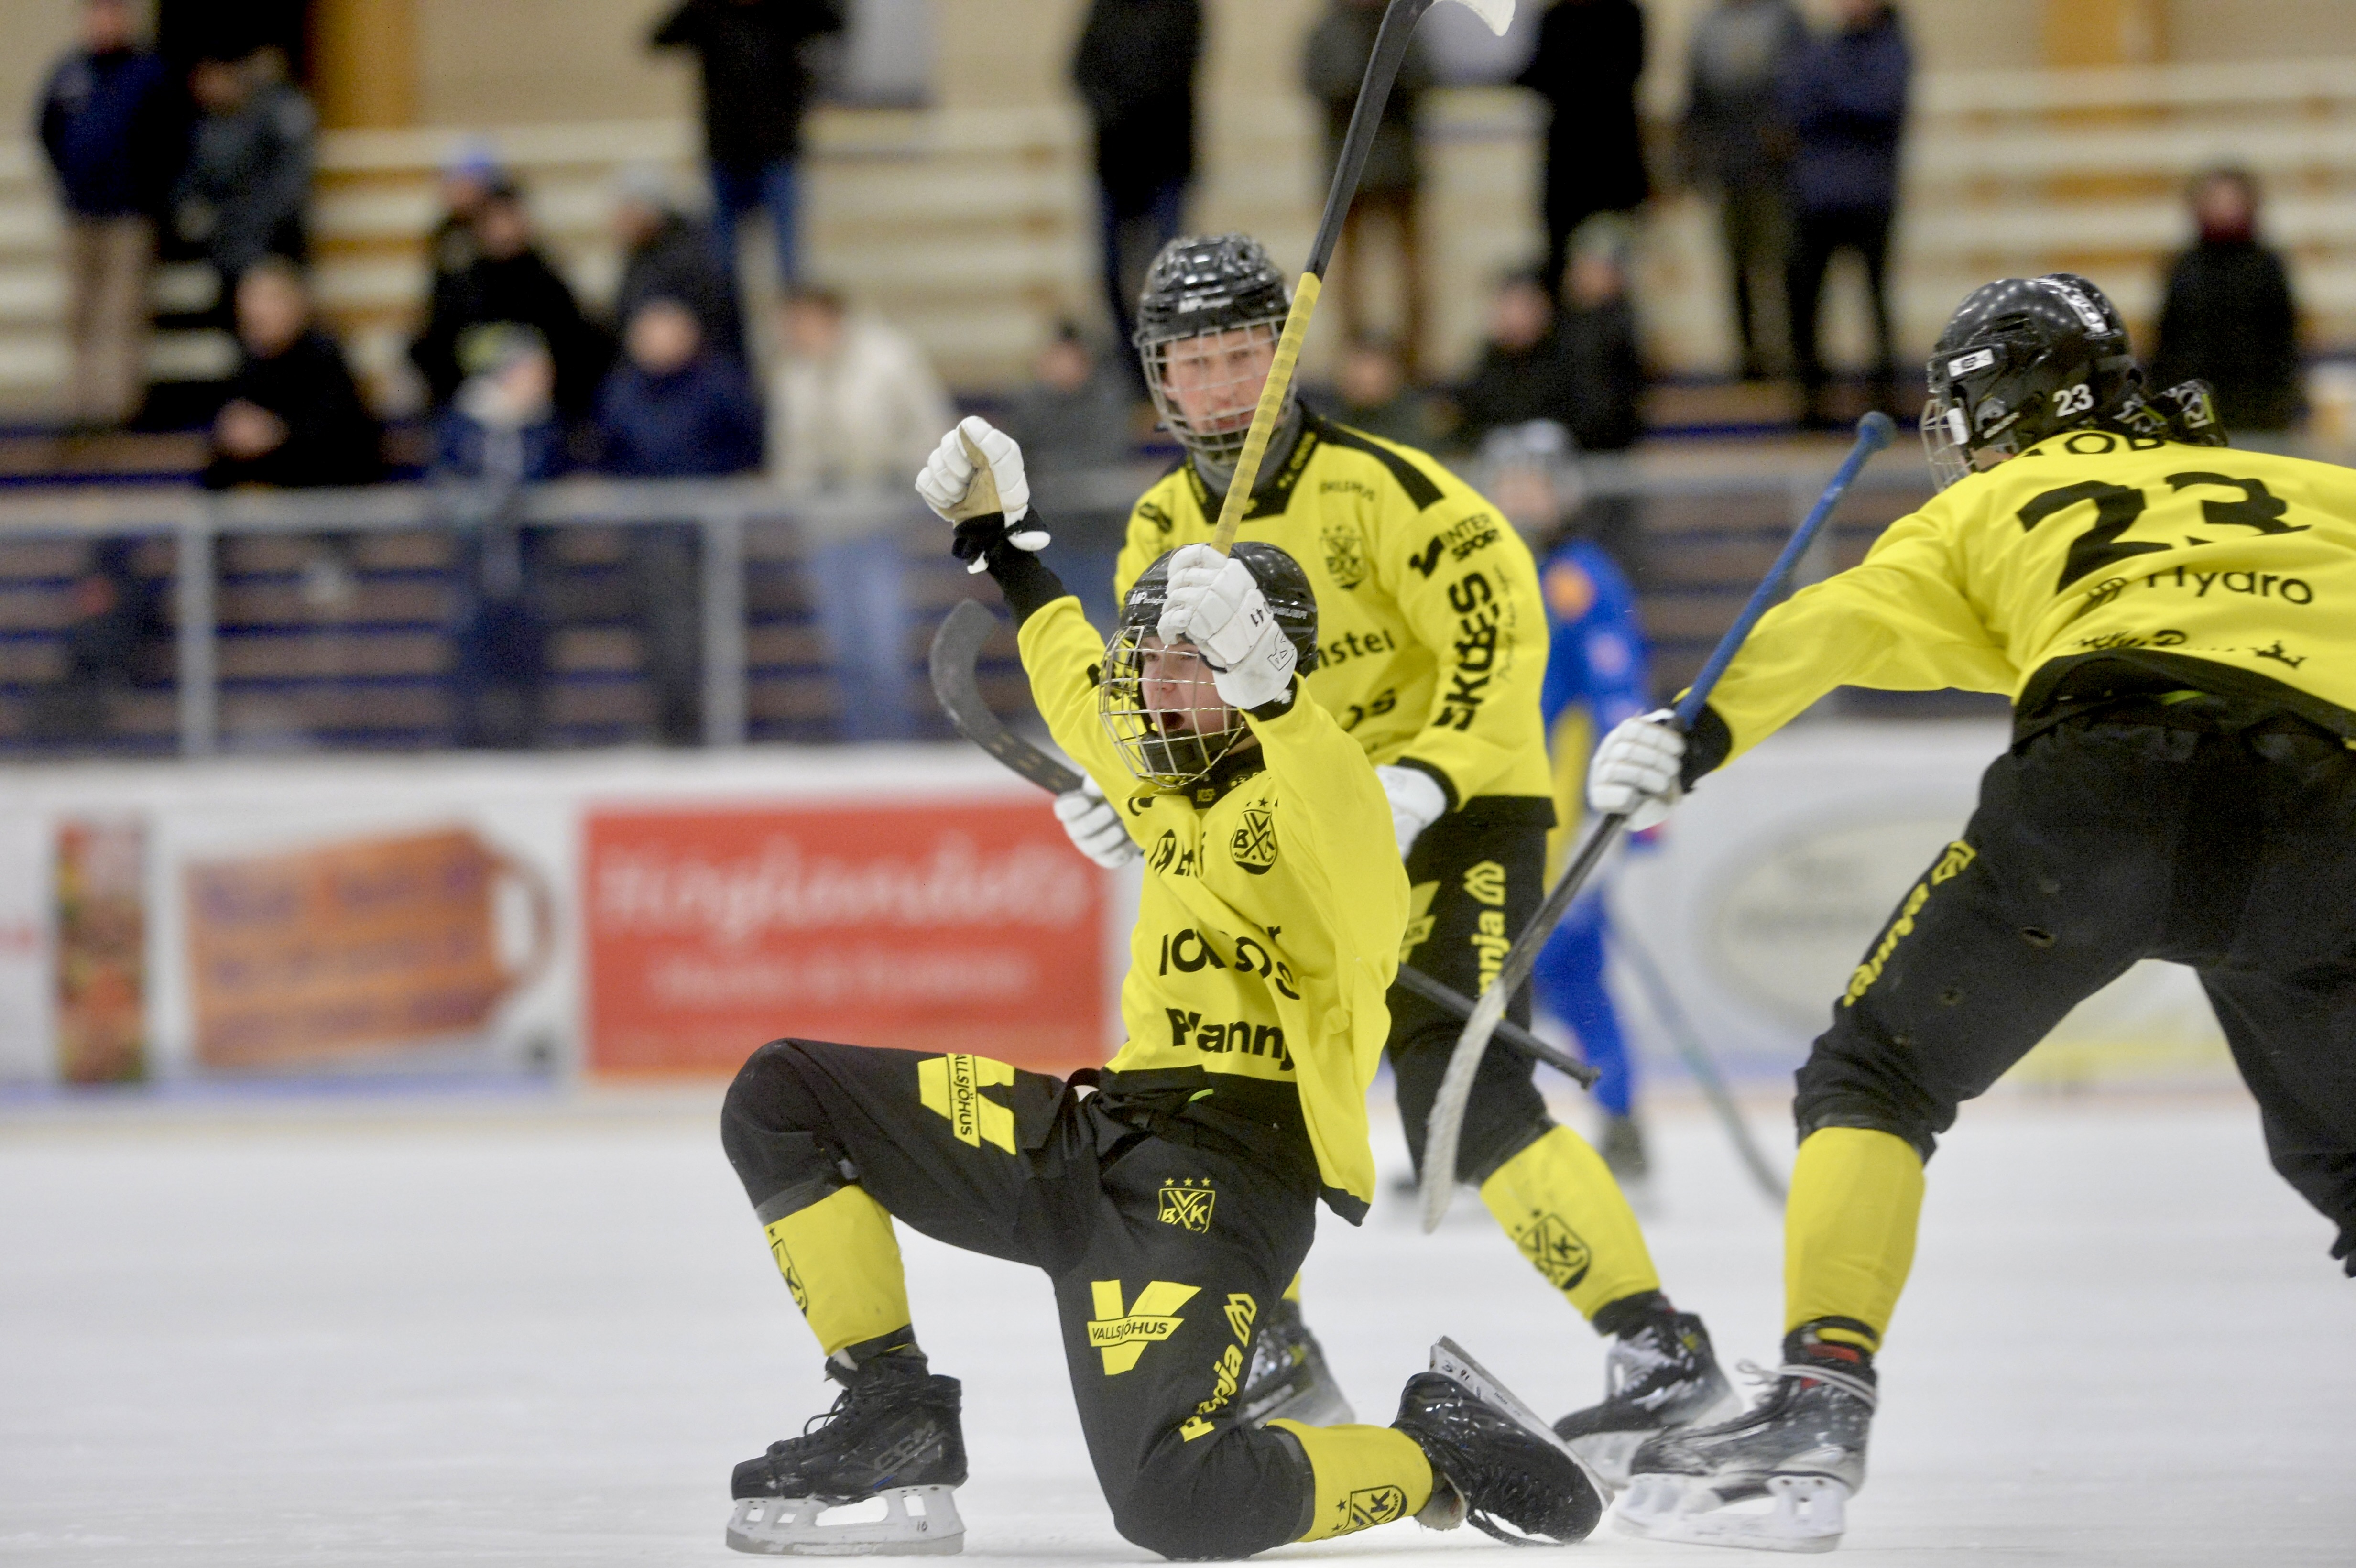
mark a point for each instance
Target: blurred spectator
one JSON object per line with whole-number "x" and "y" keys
{"x": 502, "y": 425}
{"x": 2228, "y": 316}
{"x": 294, "y": 417}
{"x": 465, "y": 183}
{"x": 675, "y": 409}
{"x": 1079, "y": 433}
{"x": 1521, "y": 374}
{"x": 1332, "y": 66}
{"x": 242, "y": 195}
{"x": 1135, "y": 70}
{"x": 1597, "y": 327}
{"x": 854, "y": 412}
{"x": 1733, "y": 145}
{"x": 1589, "y": 56}
{"x": 109, "y": 126}
{"x": 665, "y": 255}
{"x": 1844, "y": 98}
{"x": 114, "y": 618}
{"x": 510, "y": 283}
{"x": 1373, "y": 394}
{"x": 756, "y": 57}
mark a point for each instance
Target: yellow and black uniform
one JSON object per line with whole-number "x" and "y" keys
{"x": 1171, "y": 1206}
{"x": 2176, "y": 626}
{"x": 1433, "y": 654}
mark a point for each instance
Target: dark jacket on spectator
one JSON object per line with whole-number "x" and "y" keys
{"x": 466, "y": 448}
{"x": 1071, "y": 441}
{"x": 700, "y": 422}
{"x": 111, "y": 126}
{"x": 248, "y": 176}
{"x": 1134, "y": 69}
{"x": 1729, "y": 138}
{"x": 1844, "y": 98}
{"x": 2228, "y": 319}
{"x": 1606, "y": 375}
{"x": 523, "y": 289}
{"x": 1589, "y": 56}
{"x": 680, "y": 263}
{"x": 331, "y": 437}
{"x": 1333, "y": 65}
{"x": 1511, "y": 386}
{"x": 757, "y": 84}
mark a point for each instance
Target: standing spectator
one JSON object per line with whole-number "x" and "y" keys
{"x": 853, "y": 411}
{"x": 1372, "y": 393}
{"x": 2227, "y": 316}
{"x": 294, "y": 417}
{"x": 1332, "y": 66}
{"x": 1597, "y": 327}
{"x": 755, "y": 57}
{"x": 510, "y": 282}
{"x": 1733, "y": 145}
{"x": 1135, "y": 69}
{"x": 109, "y": 124}
{"x": 667, "y": 255}
{"x": 1079, "y": 433}
{"x": 675, "y": 409}
{"x": 465, "y": 183}
{"x": 1589, "y": 54}
{"x": 1521, "y": 374}
{"x": 1844, "y": 98}
{"x": 242, "y": 195}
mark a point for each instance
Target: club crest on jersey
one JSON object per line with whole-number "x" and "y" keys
{"x": 1253, "y": 845}
{"x": 1120, "y": 1334}
{"x": 1187, "y": 1204}
{"x": 1345, "y": 555}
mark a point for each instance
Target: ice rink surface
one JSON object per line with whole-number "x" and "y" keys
{"x": 541, "y": 1334}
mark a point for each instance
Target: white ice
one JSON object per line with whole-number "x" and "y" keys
{"x": 541, "y": 1334}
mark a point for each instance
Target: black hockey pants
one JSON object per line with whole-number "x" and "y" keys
{"x": 2103, "y": 840}
{"x": 1167, "y": 1224}
{"x": 1487, "y": 867}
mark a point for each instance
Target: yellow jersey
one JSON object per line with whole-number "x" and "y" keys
{"x": 2202, "y": 567}
{"x": 1266, "y": 935}
{"x": 1432, "y": 633}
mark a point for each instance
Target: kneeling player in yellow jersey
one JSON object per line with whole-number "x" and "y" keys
{"x": 1169, "y": 1196}
{"x": 1433, "y": 657}
{"x": 2176, "y": 626}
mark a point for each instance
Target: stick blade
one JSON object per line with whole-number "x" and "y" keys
{"x": 1498, "y": 14}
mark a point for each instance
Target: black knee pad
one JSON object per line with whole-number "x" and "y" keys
{"x": 773, "y": 1128}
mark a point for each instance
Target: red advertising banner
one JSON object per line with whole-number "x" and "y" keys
{"x": 929, "y": 926}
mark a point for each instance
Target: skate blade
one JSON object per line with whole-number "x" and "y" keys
{"x": 1804, "y": 1513}
{"x": 917, "y": 1521}
{"x": 1453, "y": 1361}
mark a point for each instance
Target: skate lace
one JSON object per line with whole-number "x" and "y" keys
{"x": 1630, "y": 1361}
{"x": 1848, "y": 1382}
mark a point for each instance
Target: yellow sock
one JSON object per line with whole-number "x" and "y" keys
{"x": 1848, "y": 1232}
{"x": 842, "y": 1264}
{"x": 1558, "y": 1202}
{"x": 1366, "y": 1476}
{"x": 1293, "y": 1291}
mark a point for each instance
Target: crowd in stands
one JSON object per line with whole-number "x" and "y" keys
{"x": 208, "y": 153}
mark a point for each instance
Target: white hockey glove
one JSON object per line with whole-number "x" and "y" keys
{"x": 975, "y": 479}
{"x": 1636, "y": 770}
{"x": 1093, "y": 825}
{"x": 1417, "y": 801}
{"x": 1215, "y": 605}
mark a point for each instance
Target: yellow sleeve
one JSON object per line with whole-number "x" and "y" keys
{"x": 1467, "y": 585}
{"x": 1898, "y": 620}
{"x": 1063, "y": 656}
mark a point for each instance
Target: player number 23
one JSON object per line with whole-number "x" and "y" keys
{"x": 2116, "y": 508}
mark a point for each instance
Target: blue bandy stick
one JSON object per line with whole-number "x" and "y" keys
{"x": 1444, "y": 1126}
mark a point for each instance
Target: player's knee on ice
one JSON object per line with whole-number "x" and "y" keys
{"x": 1238, "y": 1490}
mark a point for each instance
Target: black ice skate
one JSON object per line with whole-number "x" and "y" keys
{"x": 893, "y": 1437}
{"x": 1656, "y": 1378}
{"x": 1492, "y": 1461}
{"x": 1801, "y": 1449}
{"x": 1288, "y": 1378}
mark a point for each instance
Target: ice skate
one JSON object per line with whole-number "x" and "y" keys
{"x": 1662, "y": 1377}
{"x": 1288, "y": 1378}
{"x": 1493, "y": 1460}
{"x": 1622, "y": 1146}
{"x": 873, "y": 1476}
{"x": 1777, "y": 1478}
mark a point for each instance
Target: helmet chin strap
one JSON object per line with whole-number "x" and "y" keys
{"x": 1219, "y": 476}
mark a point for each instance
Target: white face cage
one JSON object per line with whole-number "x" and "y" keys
{"x": 1207, "y": 384}
{"x": 1945, "y": 432}
{"x": 1163, "y": 710}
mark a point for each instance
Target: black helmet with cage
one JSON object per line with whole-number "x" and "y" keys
{"x": 1172, "y": 744}
{"x": 2024, "y": 358}
{"x": 1223, "y": 286}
